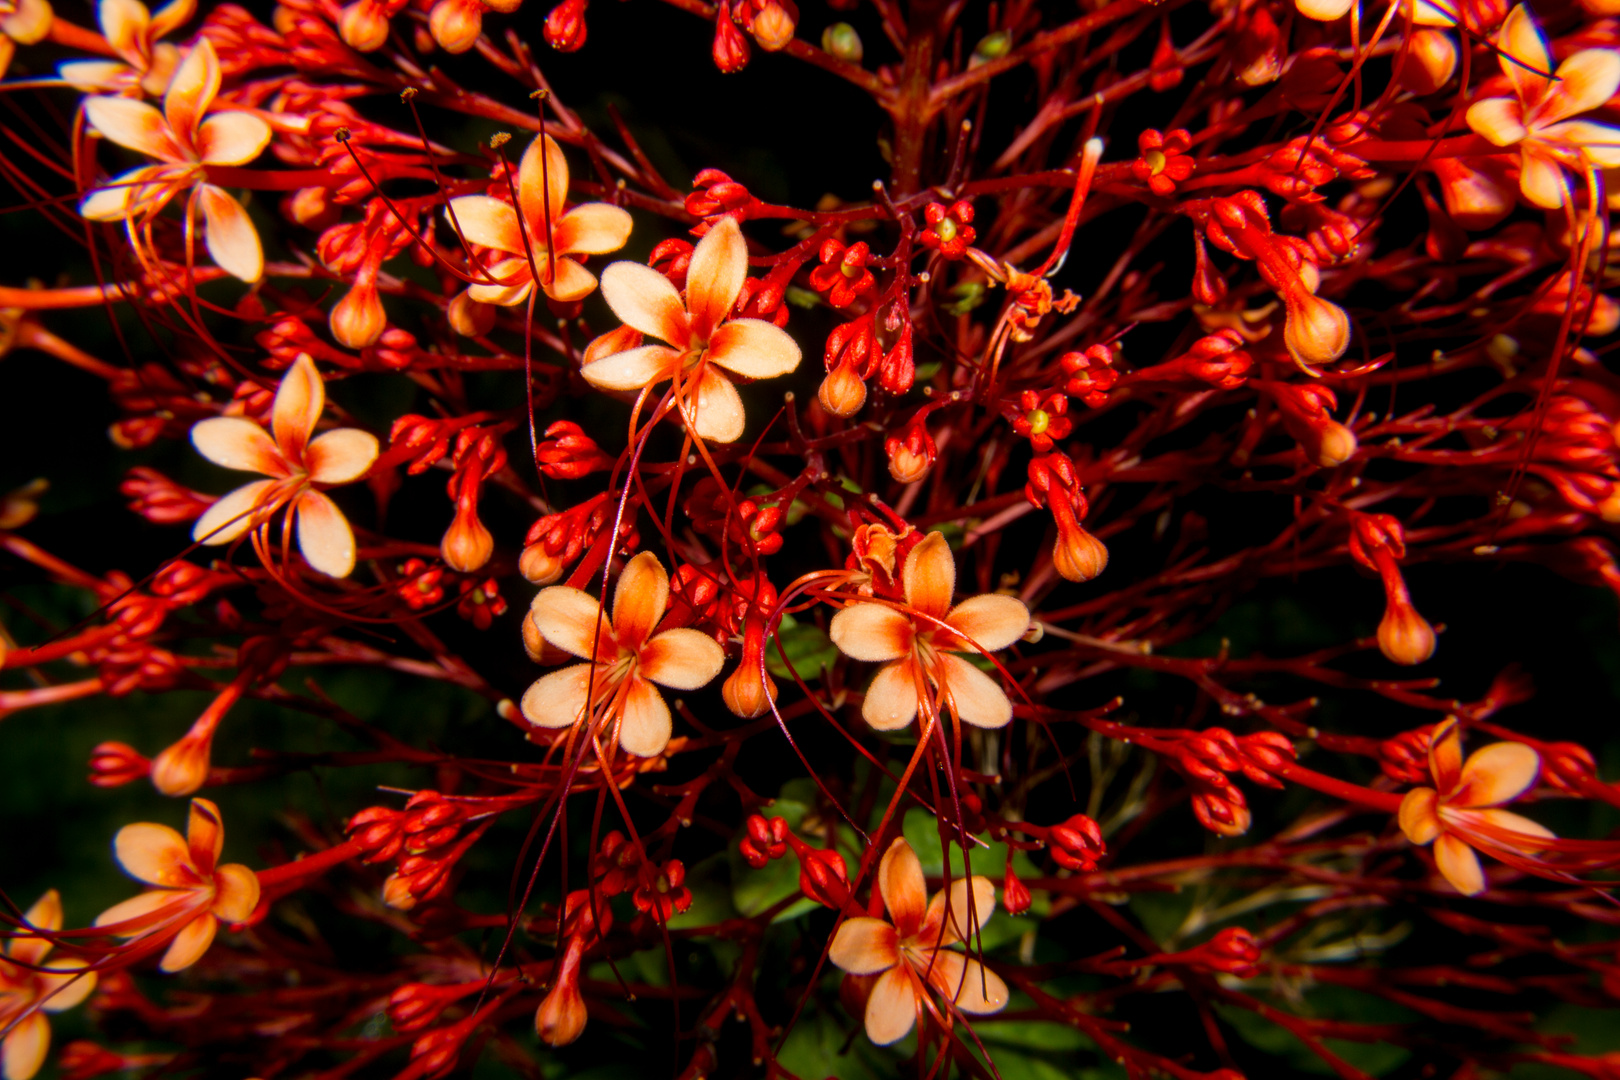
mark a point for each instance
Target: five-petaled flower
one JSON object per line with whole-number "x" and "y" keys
{"x": 624, "y": 658}
{"x": 193, "y": 891}
{"x": 546, "y": 232}
{"x": 145, "y": 64}
{"x": 28, "y": 993}
{"x": 1460, "y": 813}
{"x": 701, "y": 340}
{"x": 1536, "y": 120}
{"x": 911, "y": 954}
{"x": 185, "y": 144}
{"x": 920, "y": 640}
{"x": 296, "y": 465}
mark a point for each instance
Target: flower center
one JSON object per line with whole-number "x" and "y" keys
{"x": 1039, "y": 420}
{"x": 1155, "y": 161}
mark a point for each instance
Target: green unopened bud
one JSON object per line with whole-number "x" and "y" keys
{"x": 992, "y": 47}
{"x": 841, "y": 40}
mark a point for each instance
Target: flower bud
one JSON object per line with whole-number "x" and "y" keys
{"x": 1225, "y": 812}
{"x": 1078, "y": 555}
{"x": 1316, "y": 331}
{"x": 468, "y": 317}
{"x": 823, "y": 876}
{"x": 773, "y": 27}
{"x": 730, "y": 49}
{"x": 565, "y": 26}
{"x": 842, "y": 392}
{"x": 746, "y": 692}
{"x": 358, "y": 319}
{"x": 1431, "y": 61}
{"x": 841, "y": 40}
{"x": 364, "y": 26}
{"x": 182, "y": 768}
{"x": 539, "y": 566}
{"x": 1404, "y": 636}
{"x": 1077, "y": 843}
{"x": 467, "y": 544}
{"x": 561, "y": 1016}
{"x": 1015, "y": 896}
{"x": 114, "y": 764}
{"x": 456, "y": 24}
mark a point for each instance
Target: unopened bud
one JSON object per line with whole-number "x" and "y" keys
{"x": 467, "y": 544}
{"x": 1404, "y": 636}
{"x": 539, "y": 566}
{"x": 842, "y": 392}
{"x": 182, "y": 768}
{"x": 1316, "y": 331}
{"x": 468, "y": 317}
{"x": 1015, "y": 896}
{"x": 358, "y": 319}
{"x": 773, "y": 27}
{"x": 114, "y": 764}
{"x": 1431, "y": 61}
{"x": 841, "y": 40}
{"x": 456, "y": 24}
{"x": 364, "y": 26}
{"x": 1078, "y": 555}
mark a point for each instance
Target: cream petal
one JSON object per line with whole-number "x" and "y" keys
{"x": 300, "y": 400}
{"x": 238, "y": 892}
{"x": 713, "y": 407}
{"x": 132, "y": 124}
{"x": 631, "y": 369}
{"x": 488, "y": 222}
{"x": 1459, "y": 865}
{"x": 904, "y": 889}
{"x": 171, "y": 17}
{"x": 46, "y": 914}
{"x": 139, "y": 192}
{"x": 125, "y": 24}
{"x": 190, "y": 943}
{"x": 145, "y": 911}
{"x": 514, "y": 280}
{"x": 871, "y": 631}
{"x": 644, "y": 299}
{"x": 28, "y": 23}
{"x": 232, "y": 240}
{"x": 8, "y": 49}
{"x": 754, "y": 349}
{"x": 891, "y": 1010}
{"x": 592, "y": 229}
{"x": 61, "y": 990}
{"x": 233, "y": 514}
{"x": 24, "y": 1048}
{"x": 864, "y": 946}
{"x": 570, "y": 619}
{"x": 1500, "y": 120}
{"x": 1599, "y": 142}
{"x": 1419, "y": 818}
{"x": 645, "y": 728}
{"x": 1523, "y": 55}
{"x": 681, "y": 659}
{"x": 1445, "y": 754}
{"x": 232, "y": 138}
{"x": 1516, "y": 823}
{"x": 340, "y": 456}
{"x": 90, "y": 76}
{"x": 533, "y": 180}
{"x": 1323, "y": 10}
{"x": 191, "y": 91}
{"x": 971, "y": 694}
{"x": 891, "y": 700}
{"x": 990, "y": 621}
{"x": 570, "y": 282}
{"x": 1495, "y": 774}
{"x": 557, "y": 700}
{"x": 975, "y": 988}
{"x": 1587, "y": 80}
{"x": 235, "y": 443}
{"x": 1542, "y": 180}
{"x": 106, "y": 204}
{"x": 715, "y": 277}
{"x": 639, "y": 599}
{"x": 155, "y": 854}
{"x": 972, "y": 902}
{"x": 324, "y": 535}
{"x": 205, "y": 837}
{"x": 931, "y": 576}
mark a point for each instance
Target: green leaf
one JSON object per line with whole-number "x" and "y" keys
{"x": 966, "y": 297}
{"x": 805, "y": 645}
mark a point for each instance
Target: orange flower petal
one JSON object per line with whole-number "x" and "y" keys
{"x": 644, "y": 299}
{"x": 549, "y": 183}
{"x": 341, "y": 456}
{"x": 46, "y": 914}
{"x": 190, "y": 943}
{"x": 713, "y": 407}
{"x": 171, "y": 17}
{"x": 754, "y": 349}
{"x": 232, "y": 241}
{"x": 972, "y": 902}
{"x": 141, "y": 913}
{"x": 870, "y": 631}
{"x": 235, "y": 443}
{"x": 132, "y": 124}
{"x": 974, "y": 696}
{"x": 975, "y": 988}
{"x": 1542, "y": 180}
{"x": 592, "y": 229}
{"x": 1501, "y": 120}
{"x": 930, "y": 576}
{"x": 237, "y": 892}
{"x": 891, "y": 1010}
{"x": 324, "y": 535}
{"x": 1600, "y": 142}
{"x": 557, "y": 700}
{"x": 989, "y": 622}
{"x": 639, "y": 599}
{"x": 1418, "y": 817}
{"x": 904, "y": 890}
{"x": 126, "y": 24}
{"x": 1495, "y": 774}
{"x": 28, "y": 23}
{"x": 192, "y": 90}
{"x": 864, "y": 946}
{"x": 1459, "y": 865}
{"x": 231, "y": 138}
{"x": 205, "y": 836}
{"x": 1445, "y": 755}
{"x": 61, "y": 990}
{"x": 23, "y": 1051}
{"x": 570, "y": 619}
{"x": 681, "y": 659}
{"x": 1524, "y": 55}
{"x": 631, "y": 369}
{"x": 645, "y": 728}
{"x": 488, "y": 222}
{"x": 1526, "y": 832}
{"x": 300, "y": 400}
{"x": 232, "y": 515}
{"x": 891, "y": 701}
{"x": 1586, "y": 81}
{"x": 571, "y": 281}
{"x": 155, "y": 854}
{"x": 715, "y": 277}
{"x": 92, "y": 76}
{"x": 516, "y": 280}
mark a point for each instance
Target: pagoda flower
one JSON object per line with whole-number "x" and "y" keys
{"x": 1536, "y": 120}
{"x": 551, "y": 235}
{"x": 193, "y": 892}
{"x": 22, "y": 22}
{"x": 185, "y": 144}
{"x": 614, "y": 689}
{"x": 144, "y": 63}
{"x": 920, "y": 641}
{"x": 1460, "y": 815}
{"x": 702, "y": 344}
{"x": 911, "y": 952}
{"x": 27, "y": 994}
{"x": 297, "y": 468}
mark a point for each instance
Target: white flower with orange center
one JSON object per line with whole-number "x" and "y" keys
{"x": 911, "y": 953}
{"x": 546, "y": 232}
{"x": 27, "y": 994}
{"x": 193, "y": 892}
{"x": 624, "y": 658}
{"x": 185, "y": 141}
{"x": 702, "y": 343}
{"x": 297, "y": 467}
{"x": 22, "y": 22}
{"x": 144, "y": 64}
{"x": 921, "y": 638}
{"x": 1460, "y": 815}
{"x": 1536, "y": 119}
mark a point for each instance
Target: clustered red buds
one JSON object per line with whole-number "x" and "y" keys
{"x": 1076, "y": 844}
{"x": 1307, "y": 413}
{"x": 1090, "y": 374}
{"x": 1206, "y": 758}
